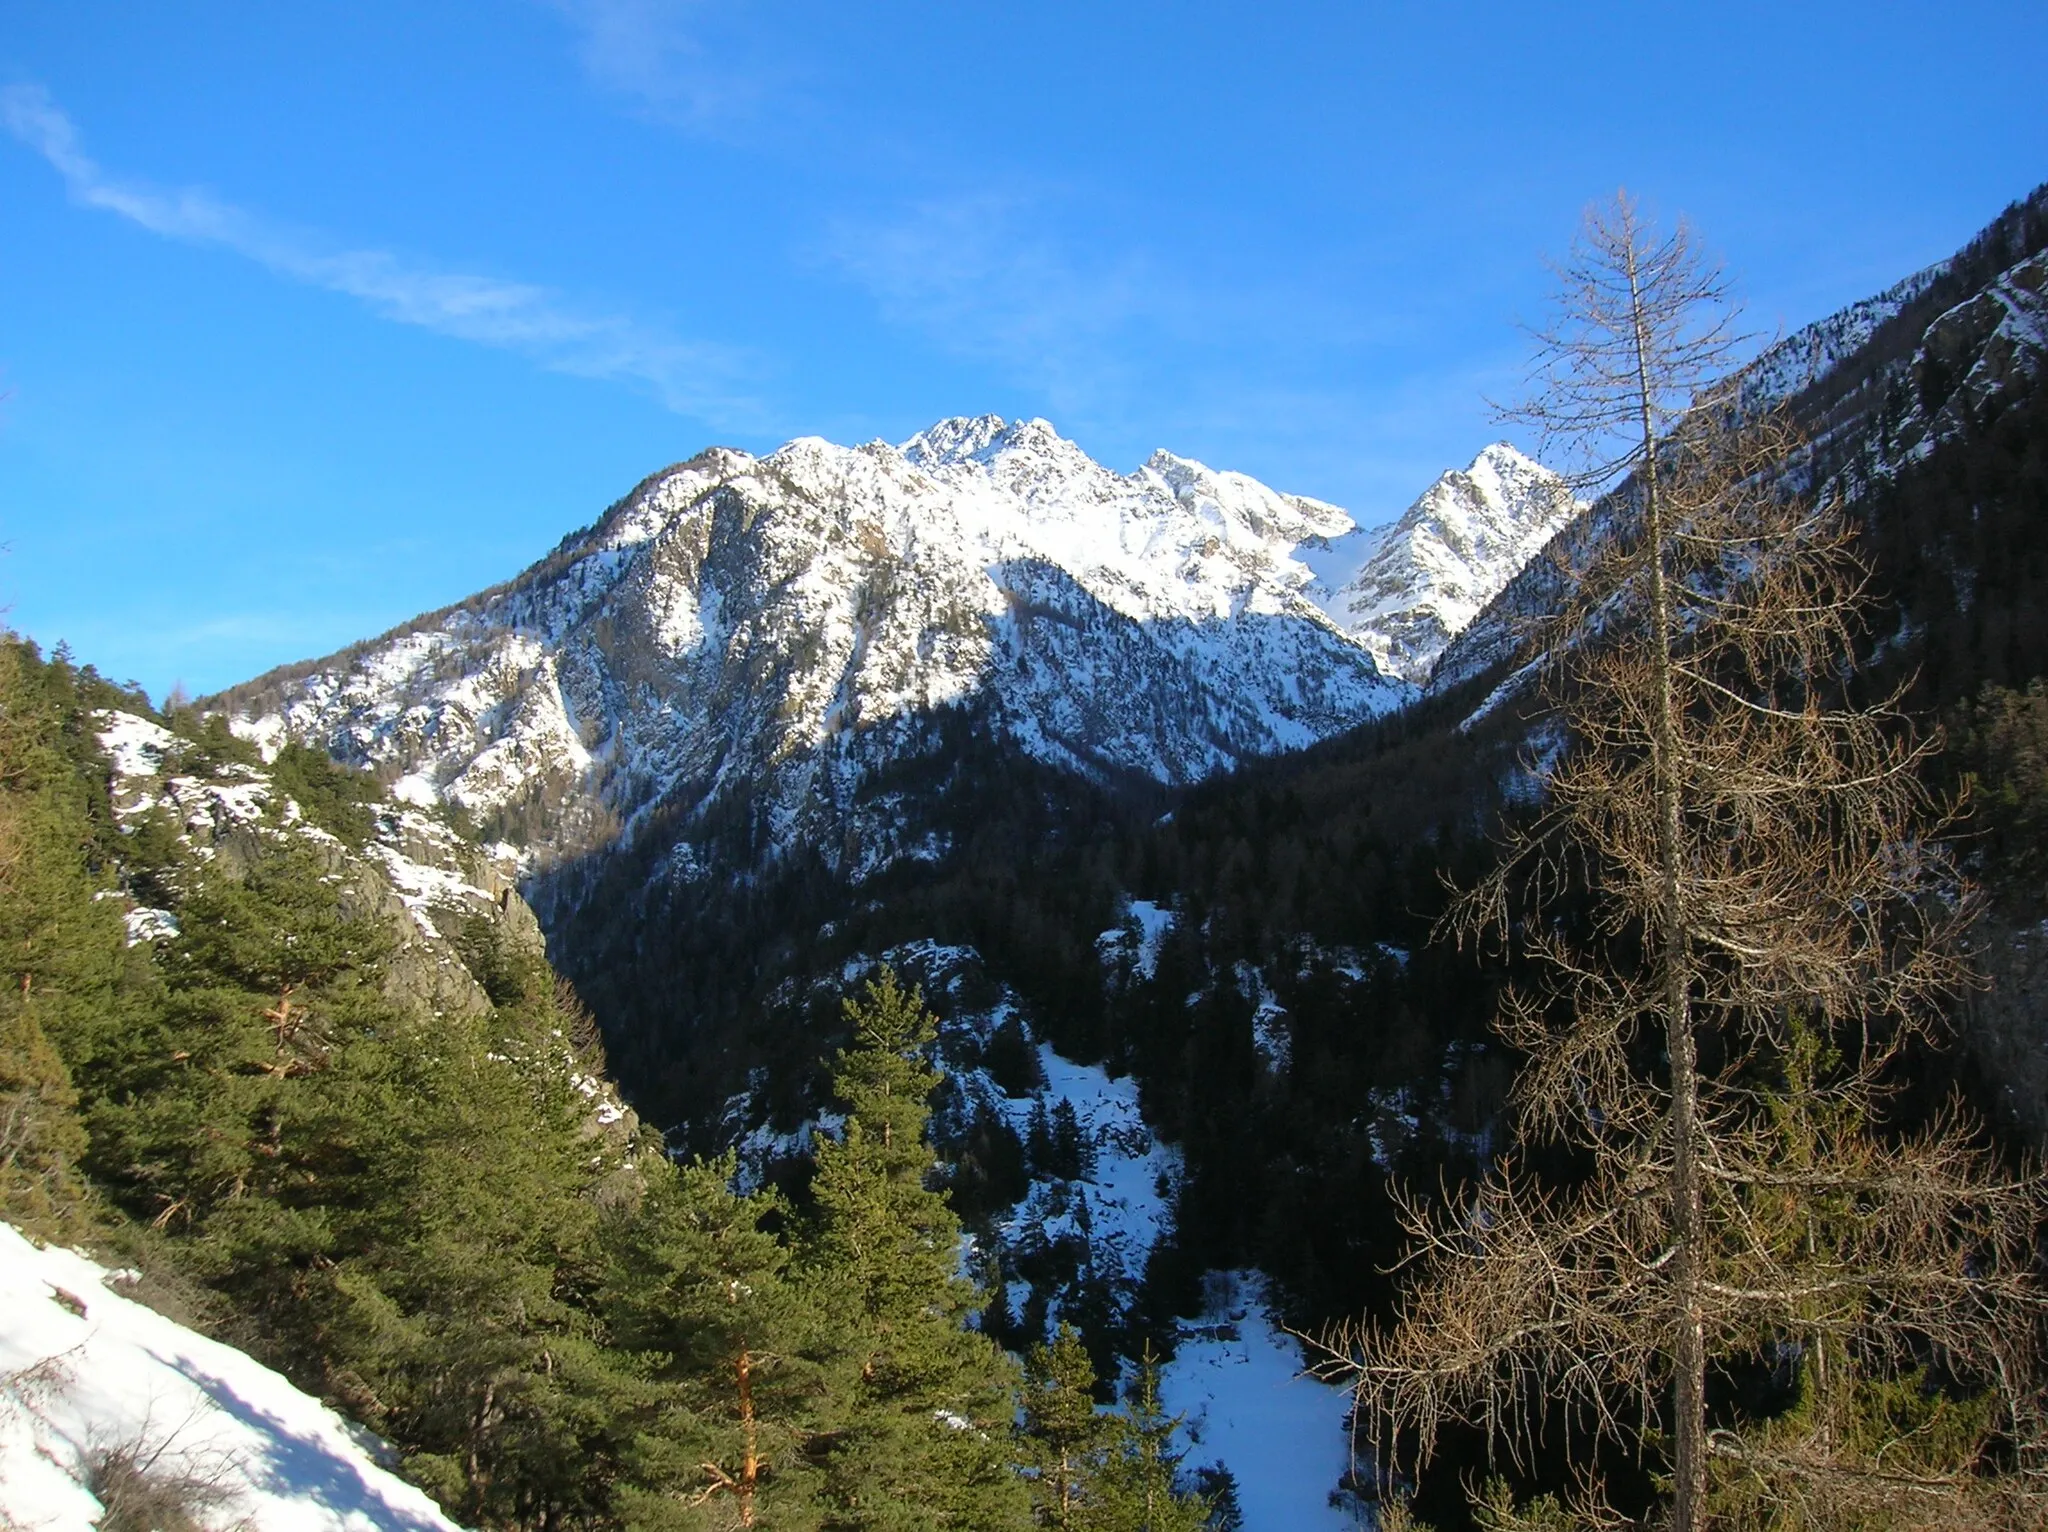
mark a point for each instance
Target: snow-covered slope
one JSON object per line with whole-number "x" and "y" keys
{"x": 1076, "y": 1245}
{"x": 1237, "y": 1381}
{"x": 1795, "y": 363}
{"x": 757, "y": 636}
{"x": 1405, "y": 592}
{"x": 87, "y": 1374}
{"x": 1876, "y": 386}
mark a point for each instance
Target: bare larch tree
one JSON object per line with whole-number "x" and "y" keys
{"x": 1736, "y": 889}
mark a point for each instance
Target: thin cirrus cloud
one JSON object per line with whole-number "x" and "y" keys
{"x": 690, "y": 378}
{"x": 651, "y": 52}
{"x": 1111, "y": 334}
{"x": 1122, "y": 342}
{"x": 978, "y": 275}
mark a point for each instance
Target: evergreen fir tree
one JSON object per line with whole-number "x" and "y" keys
{"x": 1140, "y": 1488}
{"x": 916, "y": 1425}
{"x": 1215, "y": 1483}
{"x": 702, "y": 1291}
{"x": 41, "y": 1139}
{"x": 66, "y": 959}
{"x": 1072, "y": 1152}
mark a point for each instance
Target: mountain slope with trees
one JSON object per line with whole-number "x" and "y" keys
{"x": 271, "y": 1048}
{"x": 379, "y": 1147}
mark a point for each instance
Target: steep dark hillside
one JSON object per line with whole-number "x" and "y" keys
{"x": 1278, "y": 1070}
{"x": 705, "y": 986}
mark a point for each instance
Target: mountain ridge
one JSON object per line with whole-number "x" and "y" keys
{"x": 797, "y": 616}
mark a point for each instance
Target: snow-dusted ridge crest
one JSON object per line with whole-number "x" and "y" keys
{"x": 765, "y": 634}
{"x": 1407, "y": 591}
{"x": 1877, "y": 385}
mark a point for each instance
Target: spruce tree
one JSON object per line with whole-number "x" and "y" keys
{"x": 67, "y": 969}
{"x": 1066, "y": 1440}
{"x": 916, "y": 1421}
{"x": 1139, "y": 1488}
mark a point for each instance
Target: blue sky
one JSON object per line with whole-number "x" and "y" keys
{"x": 315, "y": 316}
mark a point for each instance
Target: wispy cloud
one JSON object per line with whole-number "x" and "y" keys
{"x": 692, "y": 378}
{"x": 982, "y": 276}
{"x": 653, "y": 53}
{"x": 1271, "y": 373}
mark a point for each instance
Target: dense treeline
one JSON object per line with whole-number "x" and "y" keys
{"x": 422, "y": 1217}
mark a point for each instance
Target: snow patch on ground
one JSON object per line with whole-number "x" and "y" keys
{"x": 423, "y": 888}
{"x": 1269, "y": 1017}
{"x": 1138, "y": 938}
{"x": 135, "y": 746}
{"x": 1127, "y": 1196}
{"x": 71, "y": 1382}
{"x": 146, "y": 924}
{"x": 1236, "y": 1377}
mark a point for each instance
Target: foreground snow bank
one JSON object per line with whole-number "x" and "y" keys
{"x": 75, "y": 1385}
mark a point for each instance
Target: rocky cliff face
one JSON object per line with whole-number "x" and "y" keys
{"x": 755, "y": 638}
{"x": 433, "y": 892}
{"x": 413, "y": 875}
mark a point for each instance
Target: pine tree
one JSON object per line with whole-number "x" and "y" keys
{"x": 1066, "y": 1440}
{"x": 472, "y": 1284}
{"x": 41, "y": 1138}
{"x": 1215, "y": 1483}
{"x": 222, "y": 1090}
{"x": 918, "y": 1408}
{"x": 703, "y": 1292}
{"x": 1139, "y": 1488}
{"x": 65, "y": 960}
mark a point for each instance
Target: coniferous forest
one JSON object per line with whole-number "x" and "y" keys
{"x": 422, "y": 1218}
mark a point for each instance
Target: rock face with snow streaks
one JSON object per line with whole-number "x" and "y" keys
{"x": 1875, "y": 387}
{"x": 749, "y": 640}
{"x": 411, "y": 875}
{"x": 1408, "y": 591}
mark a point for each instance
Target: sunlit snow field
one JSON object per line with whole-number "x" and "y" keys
{"x": 83, "y": 1370}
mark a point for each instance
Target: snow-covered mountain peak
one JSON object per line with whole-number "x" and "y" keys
{"x": 955, "y": 440}
{"x": 1407, "y": 590}
{"x": 1503, "y": 473}
{"x": 761, "y": 637}
{"x": 1235, "y": 501}
{"x": 659, "y": 499}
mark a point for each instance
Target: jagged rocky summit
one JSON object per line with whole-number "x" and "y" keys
{"x": 753, "y": 639}
{"x": 1407, "y": 591}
